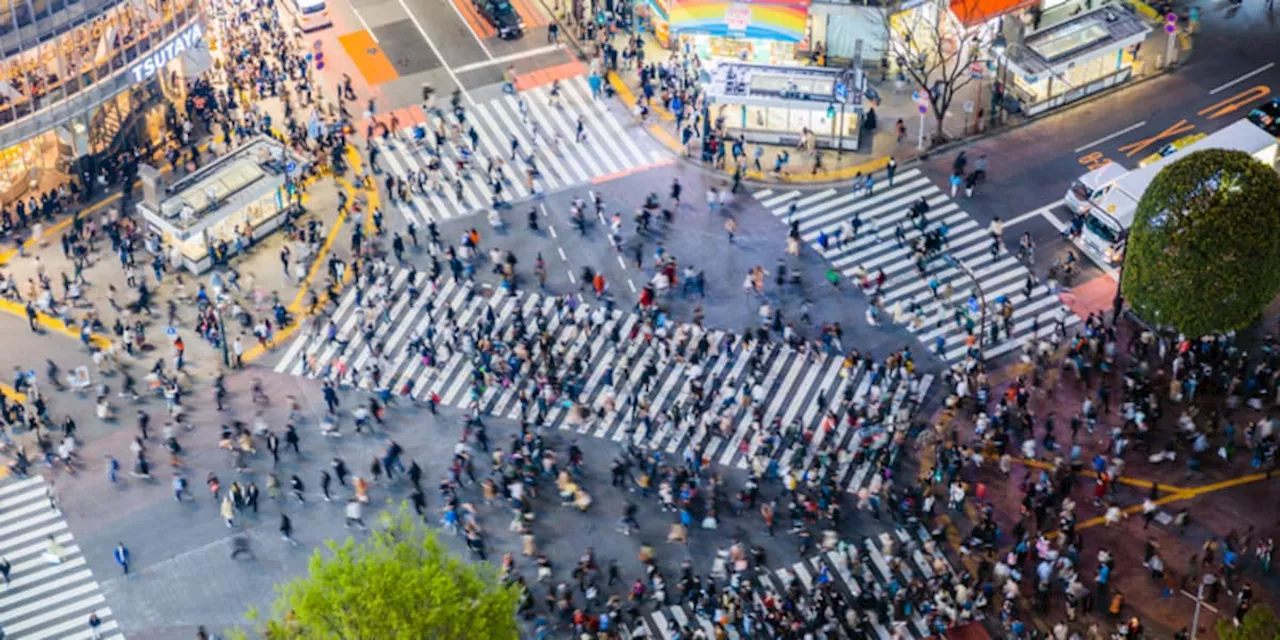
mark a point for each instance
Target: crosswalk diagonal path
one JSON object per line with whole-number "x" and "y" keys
{"x": 699, "y": 393}
{"x": 51, "y": 591}
{"x": 547, "y": 132}
{"x": 964, "y": 258}
{"x": 861, "y": 586}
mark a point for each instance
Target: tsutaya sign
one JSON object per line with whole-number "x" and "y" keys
{"x": 167, "y": 52}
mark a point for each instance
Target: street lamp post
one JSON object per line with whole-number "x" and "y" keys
{"x": 1195, "y": 617}
{"x": 923, "y": 110}
{"x": 222, "y": 332}
{"x": 999, "y": 46}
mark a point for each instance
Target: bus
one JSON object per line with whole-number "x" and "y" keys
{"x": 1108, "y": 196}
{"x": 310, "y": 14}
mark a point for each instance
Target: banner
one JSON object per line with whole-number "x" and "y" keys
{"x": 783, "y": 20}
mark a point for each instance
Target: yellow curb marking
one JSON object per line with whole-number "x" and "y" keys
{"x": 300, "y": 316}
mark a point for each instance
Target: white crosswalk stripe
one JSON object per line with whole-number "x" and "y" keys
{"x": 546, "y": 133}
{"x": 844, "y": 572}
{"x": 51, "y": 590}
{"x": 611, "y": 364}
{"x": 906, "y": 294}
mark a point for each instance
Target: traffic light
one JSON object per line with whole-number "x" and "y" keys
{"x": 1171, "y": 23}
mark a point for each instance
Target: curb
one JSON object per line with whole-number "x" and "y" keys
{"x": 874, "y": 164}
{"x": 1006, "y": 128}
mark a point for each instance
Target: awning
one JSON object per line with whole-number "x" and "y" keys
{"x": 783, "y": 20}
{"x": 972, "y": 13}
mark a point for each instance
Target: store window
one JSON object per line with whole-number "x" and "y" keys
{"x": 21, "y": 13}
{"x": 43, "y": 74}
{"x": 777, "y": 119}
{"x": 801, "y": 119}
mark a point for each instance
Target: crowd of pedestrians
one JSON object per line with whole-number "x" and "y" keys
{"x": 1152, "y": 400}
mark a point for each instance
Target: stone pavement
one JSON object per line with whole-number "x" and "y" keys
{"x": 1221, "y": 497}
{"x": 178, "y": 545}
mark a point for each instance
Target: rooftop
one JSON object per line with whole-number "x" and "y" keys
{"x": 745, "y": 81}
{"x": 1073, "y": 39}
{"x": 229, "y": 182}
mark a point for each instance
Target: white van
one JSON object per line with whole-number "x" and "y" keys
{"x": 310, "y": 14}
{"x": 1108, "y": 197}
{"x": 1091, "y": 184}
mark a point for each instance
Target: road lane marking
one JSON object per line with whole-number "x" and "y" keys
{"x": 509, "y": 57}
{"x": 1235, "y": 102}
{"x": 364, "y": 24}
{"x": 1242, "y": 78}
{"x": 423, "y": 32}
{"x": 364, "y": 51}
{"x": 1182, "y": 127}
{"x": 476, "y": 24}
{"x": 1044, "y": 211}
{"x": 1112, "y": 136}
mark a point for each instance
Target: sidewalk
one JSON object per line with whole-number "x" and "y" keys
{"x": 877, "y": 147}
{"x": 1059, "y": 396}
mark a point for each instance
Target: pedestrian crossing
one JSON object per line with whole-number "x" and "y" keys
{"x": 615, "y": 368}
{"x": 907, "y": 294}
{"x": 548, "y": 134}
{"x": 857, "y": 572}
{"x": 51, "y": 591}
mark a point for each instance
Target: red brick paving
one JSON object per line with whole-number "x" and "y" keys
{"x": 1213, "y": 515}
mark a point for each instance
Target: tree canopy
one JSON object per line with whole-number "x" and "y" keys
{"x": 1203, "y": 254}
{"x": 1259, "y": 623}
{"x": 401, "y": 582}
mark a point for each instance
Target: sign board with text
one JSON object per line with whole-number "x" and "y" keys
{"x": 166, "y": 53}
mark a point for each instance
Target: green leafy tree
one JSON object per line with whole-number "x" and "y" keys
{"x": 1259, "y": 623}
{"x": 401, "y": 582}
{"x": 1203, "y": 254}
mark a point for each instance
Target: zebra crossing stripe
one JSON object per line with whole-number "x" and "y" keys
{"x": 830, "y": 567}
{"x": 907, "y": 296}
{"x": 786, "y": 383}
{"x": 45, "y": 598}
{"x": 608, "y": 150}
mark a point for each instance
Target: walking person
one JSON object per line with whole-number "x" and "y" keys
{"x": 355, "y": 513}
{"x": 121, "y": 554}
{"x": 228, "y": 511}
{"x": 286, "y": 530}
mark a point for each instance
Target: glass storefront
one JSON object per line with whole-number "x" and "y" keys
{"x": 788, "y": 105}
{"x": 1076, "y": 58}
{"x": 786, "y": 122}
{"x": 252, "y": 221}
{"x": 40, "y": 73}
{"x": 45, "y": 160}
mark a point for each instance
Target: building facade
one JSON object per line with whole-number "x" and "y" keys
{"x": 79, "y": 77}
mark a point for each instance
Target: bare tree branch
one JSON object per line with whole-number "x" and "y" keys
{"x": 933, "y": 50}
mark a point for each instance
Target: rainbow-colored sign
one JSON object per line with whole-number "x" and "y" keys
{"x": 783, "y": 20}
